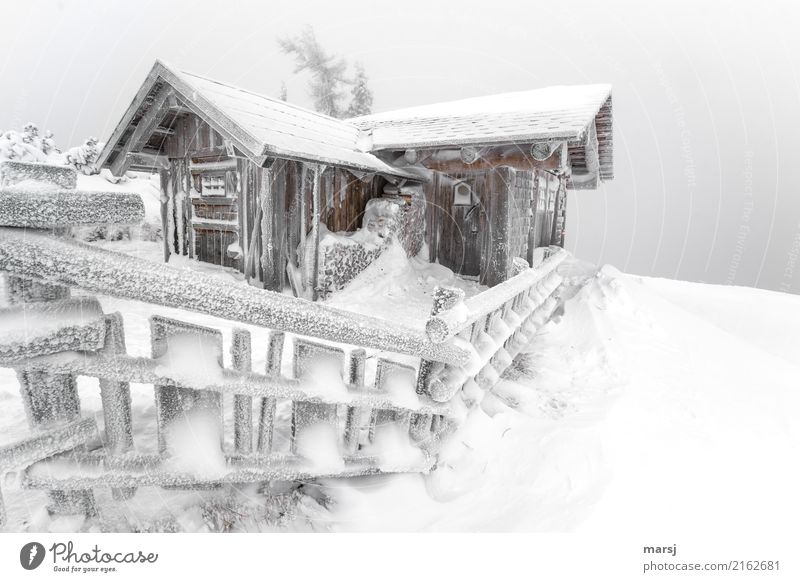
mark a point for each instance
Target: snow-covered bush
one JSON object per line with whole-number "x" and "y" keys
{"x": 28, "y": 146}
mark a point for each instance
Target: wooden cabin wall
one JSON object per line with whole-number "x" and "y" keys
{"x": 514, "y": 211}
{"x": 206, "y": 226}
{"x": 345, "y": 199}
{"x": 472, "y": 240}
{"x": 262, "y": 207}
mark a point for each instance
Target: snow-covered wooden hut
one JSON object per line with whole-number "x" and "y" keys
{"x": 255, "y": 183}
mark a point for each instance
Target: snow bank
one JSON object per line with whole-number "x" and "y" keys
{"x": 626, "y": 412}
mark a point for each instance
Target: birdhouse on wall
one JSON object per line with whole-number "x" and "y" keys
{"x": 462, "y": 194}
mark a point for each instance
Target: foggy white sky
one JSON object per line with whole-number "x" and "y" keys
{"x": 706, "y": 98}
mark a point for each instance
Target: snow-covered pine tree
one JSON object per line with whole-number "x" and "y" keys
{"x": 361, "y": 103}
{"x": 284, "y": 94}
{"x": 82, "y": 157}
{"x": 327, "y": 71}
{"x": 49, "y": 143}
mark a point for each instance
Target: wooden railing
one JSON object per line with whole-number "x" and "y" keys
{"x": 378, "y": 376}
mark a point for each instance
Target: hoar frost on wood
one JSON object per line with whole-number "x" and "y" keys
{"x": 14, "y": 172}
{"x": 44, "y": 208}
{"x": 36, "y": 329}
{"x": 450, "y": 322}
{"x": 76, "y": 265}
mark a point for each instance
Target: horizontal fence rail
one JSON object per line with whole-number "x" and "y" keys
{"x": 40, "y": 256}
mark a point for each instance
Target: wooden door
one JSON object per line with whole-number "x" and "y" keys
{"x": 462, "y": 229}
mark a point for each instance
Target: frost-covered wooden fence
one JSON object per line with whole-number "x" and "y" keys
{"x": 380, "y": 396}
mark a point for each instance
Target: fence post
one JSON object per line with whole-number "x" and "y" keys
{"x": 352, "y": 429}
{"x": 241, "y": 356}
{"x": 52, "y": 399}
{"x": 305, "y": 413}
{"x": 443, "y": 299}
{"x": 116, "y": 399}
{"x": 172, "y": 401}
{"x": 266, "y": 419}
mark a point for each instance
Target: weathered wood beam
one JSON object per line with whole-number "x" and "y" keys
{"x": 146, "y": 160}
{"x": 130, "y": 112}
{"x": 518, "y": 158}
{"x": 52, "y": 208}
{"x": 315, "y": 220}
{"x": 470, "y": 154}
{"x": 149, "y": 121}
{"x": 125, "y": 368}
{"x": 592, "y": 150}
{"x": 164, "y": 130}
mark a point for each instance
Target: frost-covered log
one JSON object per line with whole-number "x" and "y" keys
{"x": 20, "y": 290}
{"x": 36, "y": 329}
{"x": 70, "y": 475}
{"x": 14, "y": 172}
{"x": 241, "y": 356}
{"x": 116, "y": 396}
{"x": 50, "y": 399}
{"x": 266, "y": 420}
{"x": 355, "y": 415}
{"x": 44, "y": 207}
{"x": 451, "y": 322}
{"x": 444, "y": 298}
{"x": 116, "y": 399}
{"x": 47, "y": 443}
{"x": 78, "y": 265}
{"x": 149, "y": 371}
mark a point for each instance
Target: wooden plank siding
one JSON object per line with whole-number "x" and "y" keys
{"x": 513, "y": 212}
{"x": 190, "y": 144}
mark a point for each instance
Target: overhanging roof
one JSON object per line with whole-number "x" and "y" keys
{"x": 563, "y": 113}
{"x": 261, "y": 127}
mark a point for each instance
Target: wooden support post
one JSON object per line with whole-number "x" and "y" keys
{"x": 315, "y": 217}
{"x": 497, "y": 262}
{"x": 269, "y": 258}
{"x": 443, "y": 299}
{"x": 266, "y": 419}
{"x": 165, "y": 193}
{"x": 355, "y": 414}
{"x": 241, "y": 355}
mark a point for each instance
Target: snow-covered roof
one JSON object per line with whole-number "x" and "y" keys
{"x": 562, "y": 112}
{"x": 261, "y": 126}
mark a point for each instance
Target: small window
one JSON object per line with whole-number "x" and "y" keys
{"x": 462, "y": 194}
{"x": 212, "y": 185}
